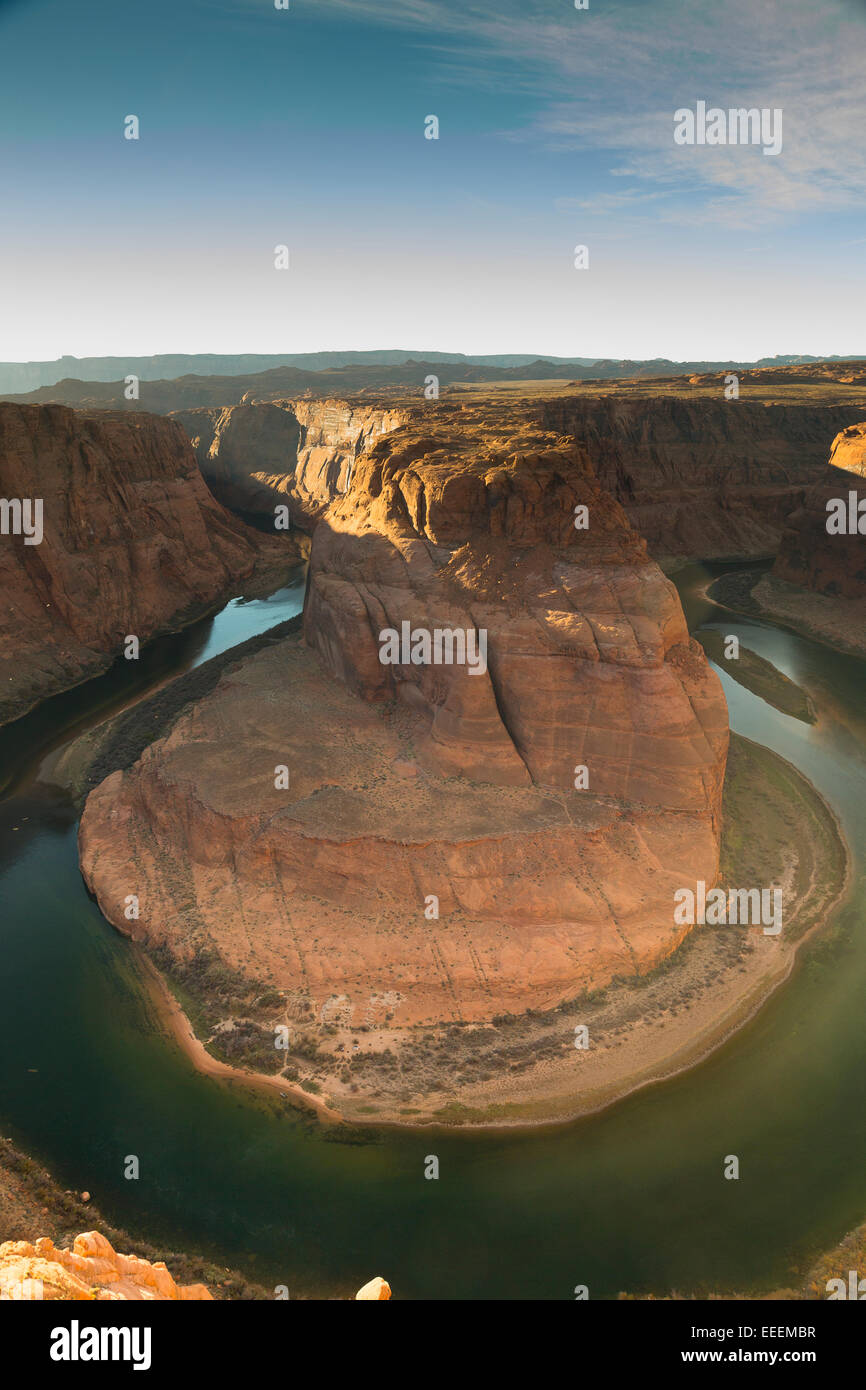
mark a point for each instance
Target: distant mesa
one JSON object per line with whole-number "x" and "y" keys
{"x": 30, "y": 376}
{"x": 195, "y": 382}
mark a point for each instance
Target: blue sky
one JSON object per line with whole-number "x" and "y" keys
{"x": 306, "y": 127}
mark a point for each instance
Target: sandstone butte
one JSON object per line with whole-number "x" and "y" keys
{"x": 412, "y": 783}
{"x": 134, "y": 543}
{"x": 809, "y": 556}
{"x": 92, "y": 1271}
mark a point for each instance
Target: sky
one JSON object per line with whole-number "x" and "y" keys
{"x": 305, "y": 127}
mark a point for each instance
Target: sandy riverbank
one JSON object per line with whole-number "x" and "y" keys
{"x": 178, "y": 1026}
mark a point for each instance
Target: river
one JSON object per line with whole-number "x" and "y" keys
{"x": 633, "y": 1199}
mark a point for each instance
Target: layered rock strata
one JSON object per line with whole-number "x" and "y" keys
{"x": 704, "y": 478}
{"x": 462, "y": 527}
{"x": 848, "y": 451}
{"x": 132, "y": 543}
{"x": 698, "y": 478}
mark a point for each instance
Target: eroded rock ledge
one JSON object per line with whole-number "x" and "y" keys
{"x": 417, "y": 785}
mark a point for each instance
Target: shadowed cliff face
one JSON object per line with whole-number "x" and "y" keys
{"x": 414, "y": 783}
{"x": 133, "y": 543}
{"x": 831, "y": 562}
{"x": 704, "y": 479}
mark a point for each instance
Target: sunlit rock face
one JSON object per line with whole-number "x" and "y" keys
{"x": 467, "y": 527}
{"x": 256, "y": 456}
{"x": 848, "y": 451}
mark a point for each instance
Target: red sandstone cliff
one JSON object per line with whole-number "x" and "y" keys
{"x": 849, "y": 450}
{"x": 133, "y": 543}
{"x": 708, "y": 478}
{"x": 463, "y": 525}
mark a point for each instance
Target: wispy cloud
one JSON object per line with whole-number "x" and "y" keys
{"x": 608, "y": 80}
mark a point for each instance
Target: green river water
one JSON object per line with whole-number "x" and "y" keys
{"x": 632, "y": 1199}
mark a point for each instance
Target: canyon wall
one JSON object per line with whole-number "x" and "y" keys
{"x": 133, "y": 543}
{"x": 709, "y": 478}
{"x": 697, "y": 478}
{"x": 848, "y": 451}
{"x": 257, "y": 455}
{"x": 468, "y": 522}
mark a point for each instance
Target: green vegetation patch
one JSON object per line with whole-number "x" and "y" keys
{"x": 213, "y": 995}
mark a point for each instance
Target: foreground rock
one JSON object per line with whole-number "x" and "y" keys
{"x": 92, "y": 1271}
{"x": 376, "y": 1291}
{"x": 432, "y": 856}
{"x": 133, "y": 543}
{"x": 321, "y": 890}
